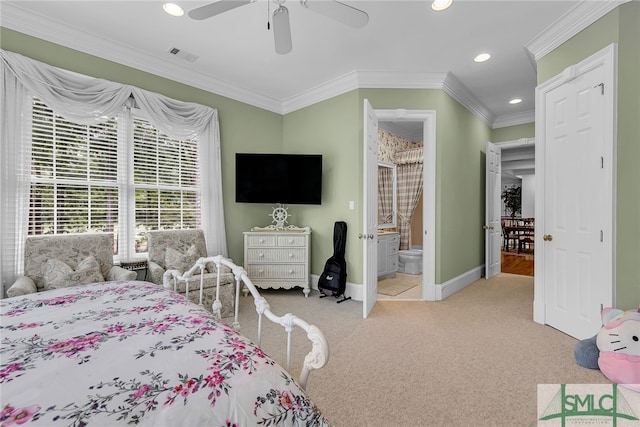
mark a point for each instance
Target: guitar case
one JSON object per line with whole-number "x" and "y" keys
{"x": 333, "y": 280}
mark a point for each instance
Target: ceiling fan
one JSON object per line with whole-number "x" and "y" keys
{"x": 341, "y": 12}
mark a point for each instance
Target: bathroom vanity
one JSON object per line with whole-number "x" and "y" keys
{"x": 388, "y": 245}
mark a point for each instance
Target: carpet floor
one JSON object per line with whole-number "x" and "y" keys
{"x": 474, "y": 359}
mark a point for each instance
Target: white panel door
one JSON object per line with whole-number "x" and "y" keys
{"x": 493, "y": 225}
{"x": 578, "y": 267}
{"x": 370, "y": 208}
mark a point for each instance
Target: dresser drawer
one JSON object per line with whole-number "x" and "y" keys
{"x": 291, "y": 240}
{"x": 256, "y": 241}
{"x": 284, "y": 255}
{"x": 280, "y": 272}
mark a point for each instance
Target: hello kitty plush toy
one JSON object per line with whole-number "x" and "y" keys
{"x": 619, "y": 345}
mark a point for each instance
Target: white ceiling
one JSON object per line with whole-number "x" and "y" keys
{"x": 405, "y": 44}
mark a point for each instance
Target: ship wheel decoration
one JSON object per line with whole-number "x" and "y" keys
{"x": 279, "y": 216}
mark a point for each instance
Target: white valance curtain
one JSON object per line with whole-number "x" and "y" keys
{"x": 88, "y": 100}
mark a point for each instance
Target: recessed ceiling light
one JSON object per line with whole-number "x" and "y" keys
{"x": 439, "y": 5}
{"x": 515, "y": 101}
{"x": 482, "y": 57}
{"x": 173, "y": 9}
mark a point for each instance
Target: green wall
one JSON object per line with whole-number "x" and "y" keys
{"x": 621, "y": 26}
{"x": 511, "y": 133}
{"x": 331, "y": 128}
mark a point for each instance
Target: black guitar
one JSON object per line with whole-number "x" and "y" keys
{"x": 333, "y": 280}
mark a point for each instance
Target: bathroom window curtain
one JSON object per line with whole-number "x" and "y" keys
{"x": 410, "y": 183}
{"x": 88, "y": 100}
{"x": 385, "y": 195}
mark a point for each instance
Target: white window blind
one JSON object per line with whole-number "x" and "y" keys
{"x": 76, "y": 187}
{"x": 166, "y": 180}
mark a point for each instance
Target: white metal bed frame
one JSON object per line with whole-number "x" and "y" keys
{"x": 315, "y": 359}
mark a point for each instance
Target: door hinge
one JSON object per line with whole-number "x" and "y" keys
{"x": 601, "y": 236}
{"x": 601, "y": 88}
{"x": 601, "y": 162}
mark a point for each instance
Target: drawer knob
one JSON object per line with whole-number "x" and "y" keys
{"x": 290, "y": 271}
{"x": 261, "y": 271}
{"x": 290, "y": 240}
{"x": 290, "y": 255}
{"x": 261, "y": 241}
{"x": 260, "y": 255}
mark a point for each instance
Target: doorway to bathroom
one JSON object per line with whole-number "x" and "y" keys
{"x": 400, "y": 209}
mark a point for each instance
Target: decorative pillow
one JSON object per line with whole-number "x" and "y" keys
{"x": 174, "y": 260}
{"x": 211, "y": 268}
{"x": 59, "y": 275}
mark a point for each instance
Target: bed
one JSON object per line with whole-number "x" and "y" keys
{"x": 131, "y": 352}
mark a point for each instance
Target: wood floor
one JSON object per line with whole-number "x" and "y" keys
{"x": 514, "y": 263}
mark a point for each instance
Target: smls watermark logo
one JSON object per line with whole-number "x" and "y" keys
{"x": 587, "y": 405}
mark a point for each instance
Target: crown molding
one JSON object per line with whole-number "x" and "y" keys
{"x": 571, "y": 23}
{"x": 17, "y": 19}
{"x": 341, "y": 84}
{"x": 361, "y": 79}
{"x": 574, "y": 21}
{"x": 514, "y": 119}
{"x": 455, "y": 89}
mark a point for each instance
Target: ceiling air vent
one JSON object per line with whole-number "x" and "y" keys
{"x": 183, "y": 54}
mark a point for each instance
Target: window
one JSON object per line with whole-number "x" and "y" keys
{"x": 166, "y": 182}
{"x": 82, "y": 179}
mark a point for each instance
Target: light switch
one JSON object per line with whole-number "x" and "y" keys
{"x": 352, "y": 205}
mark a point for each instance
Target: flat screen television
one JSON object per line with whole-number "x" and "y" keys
{"x": 294, "y": 179}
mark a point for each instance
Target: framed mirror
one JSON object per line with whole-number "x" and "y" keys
{"x": 387, "y": 195}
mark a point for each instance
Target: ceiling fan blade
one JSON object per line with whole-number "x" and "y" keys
{"x": 216, "y": 8}
{"x": 282, "y": 30}
{"x": 341, "y": 12}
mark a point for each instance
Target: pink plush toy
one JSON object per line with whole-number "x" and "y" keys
{"x": 619, "y": 345}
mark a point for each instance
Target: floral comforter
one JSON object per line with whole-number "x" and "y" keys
{"x": 133, "y": 353}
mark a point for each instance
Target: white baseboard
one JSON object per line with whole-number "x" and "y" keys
{"x": 444, "y": 290}
{"x": 458, "y": 283}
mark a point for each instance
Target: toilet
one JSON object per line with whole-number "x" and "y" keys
{"x": 410, "y": 261}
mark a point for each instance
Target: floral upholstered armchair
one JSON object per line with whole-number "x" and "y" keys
{"x": 63, "y": 260}
{"x": 179, "y": 250}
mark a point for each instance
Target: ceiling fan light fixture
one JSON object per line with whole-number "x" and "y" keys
{"x": 439, "y": 5}
{"x": 282, "y": 30}
{"x": 173, "y": 9}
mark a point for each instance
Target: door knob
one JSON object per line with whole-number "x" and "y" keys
{"x": 487, "y": 227}
{"x": 547, "y": 237}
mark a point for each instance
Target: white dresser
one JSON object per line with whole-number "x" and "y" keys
{"x": 388, "y": 244}
{"x": 278, "y": 259}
